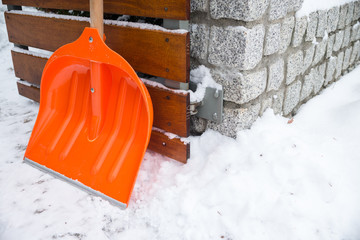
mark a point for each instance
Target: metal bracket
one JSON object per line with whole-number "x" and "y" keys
{"x": 211, "y": 107}
{"x": 176, "y": 24}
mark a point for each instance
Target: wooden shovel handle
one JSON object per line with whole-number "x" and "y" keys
{"x": 96, "y": 15}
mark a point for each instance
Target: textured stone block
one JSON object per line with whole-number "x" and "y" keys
{"x": 322, "y": 23}
{"x": 199, "y": 35}
{"x": 339, "y": 37}
{"x": 342, "y": 16}
{"x": 300, "y": 28}
{"x": 333, "y": 19}
{"x": 347, "y": 56}
{"x": 246, "y": 10}
{"x": 278, "y": 9}
{"x": 330, "y": 70}
{"x": 319, "y": 78}
{"x": 292, "y": 97}
{"x": 308, "y": 58}
{"x": 295, "y": 5}
{"x": 308, "y": 85}
{"x": 266, "y": 103}
{"x": 356, "y": 14}
{"x": 311, "y": 27}
{"x": 199, "y": 5}
{"x": 277, "y": 102}
{"x": 347, "y": 34}
{"x": 276, "y": 74}
{"x": 355, "y": 52}
{"x": 350, "y": 13}
{"x": 241, "y": 87}
{"x": 272, "y": 39}
{"x": 294, "y": 66}
{"x": 236, "y": 120}
{"x": 287, "y": 28}
{"x": 358, "y": 35}
{"x": 236, "y": 46}
{"x": 320, "y": 51}
{"x": 330, "y": 45}
{"x": 339, "y": 64}
{"x": 354, "y": 32}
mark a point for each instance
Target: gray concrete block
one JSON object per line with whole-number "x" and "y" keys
{"x": 311, "y": 27}
{"x": 339, "y": 64}
{"x": 287, "y": 28}
{"x": 330, "y": 45}
{"x": 236, "y": 46}
{"x": 276, "y": 74}
{"x": 245, "y": 10}
{"x": 294, "y": 66}
{"x": 358, "y": 35}
{"x": 300, "y": 28}
{"x": 241, "y": 87}
{"x": 252, "y": 84}
{"x": 330, "y": 70}
{"x": 199, "y": 5}
{"x": 347, "y": 57}
{"x": 236, "y": 120}
{"x": 355, "y": 52}
{"x": 278, "y": 9}
{"x": 333, "y": 19}
{"x": 292, "y": 97}
{"x": 278, "y": 100}
{"x": 342, "y": 16}
{"x": 272, "y": 39}
{"x": 295, "y": 5}
{"x": 308, "y": 57}
{"x": 350, "y": 13}
{"x": 199, "y": 39}
{"x": 347, "y": 34}
{"x": 265, "y": 104}
{"x": 339, "y": 37}
{"x": 320, "y": 51}
{"x": 322, "y": 68}
{"x": 354, "y": 32}
{"x": 319, "y": 78}
{"x": 322, "y": 23}
{"x": 356, "y": 14}
{"x": 308, "y": 85}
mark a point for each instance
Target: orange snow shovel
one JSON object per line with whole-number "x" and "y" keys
{"x": 95, "y": 117}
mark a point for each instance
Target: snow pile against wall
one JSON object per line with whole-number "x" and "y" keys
{"x": 271, "y": 53}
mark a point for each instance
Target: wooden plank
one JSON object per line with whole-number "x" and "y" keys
{"x": 170, "y": 9}
{"x": 173, "y": 148}
{"x": 155, "y": 52}
{"x": 159, "y": 141}
{"x": 170, "y": 108}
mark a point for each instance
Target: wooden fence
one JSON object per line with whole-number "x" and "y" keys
{"x": 154, "y": 51}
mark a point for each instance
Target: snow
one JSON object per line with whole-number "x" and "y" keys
{"x": 278, "y": 180}
{"x": 145, "y": 26}
{"x": 310, "y": 6}
{"x": 201, "y": 76}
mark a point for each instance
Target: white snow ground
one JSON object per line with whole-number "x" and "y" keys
{"x": 276, "y": 181}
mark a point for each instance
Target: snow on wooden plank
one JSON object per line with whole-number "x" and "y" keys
{"x": 155, "y": 52}
{"x": 169, "y": 9}
{"x": 170, "y": 107}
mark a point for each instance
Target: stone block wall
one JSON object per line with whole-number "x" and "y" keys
{"x": 265, "y": 56}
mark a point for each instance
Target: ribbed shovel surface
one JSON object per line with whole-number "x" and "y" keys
{"x": 94, "y": 120}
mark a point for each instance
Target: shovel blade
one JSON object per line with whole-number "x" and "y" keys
{"x": 94, "y": 121}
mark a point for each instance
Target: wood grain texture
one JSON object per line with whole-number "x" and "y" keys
{"x": 172, "y": 148}
{"x": 170, "y": 108}
{"x": 170, "y": 9}
{"x": 159, "y": 142}
{"x": 159, "y": 53}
